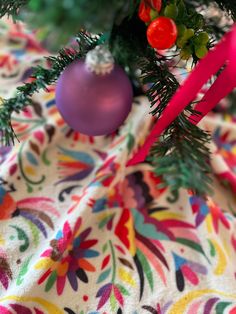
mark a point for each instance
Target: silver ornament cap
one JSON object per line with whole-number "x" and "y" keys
{"x": 100, "y": 60}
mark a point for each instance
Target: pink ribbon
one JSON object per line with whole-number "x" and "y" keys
{"x": 223, "y": 54}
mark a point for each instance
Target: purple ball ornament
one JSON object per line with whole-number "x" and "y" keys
{"x": 94, "y": 96}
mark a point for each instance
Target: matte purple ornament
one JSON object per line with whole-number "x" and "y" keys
{"x": 93, "y": 104}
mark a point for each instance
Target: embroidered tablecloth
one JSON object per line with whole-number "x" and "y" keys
{"x": 81, "y": 233}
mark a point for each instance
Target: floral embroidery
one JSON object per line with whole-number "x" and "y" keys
{"x": 67, "y": 258}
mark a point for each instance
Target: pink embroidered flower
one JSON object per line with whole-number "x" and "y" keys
{"x": 67, "y": 258}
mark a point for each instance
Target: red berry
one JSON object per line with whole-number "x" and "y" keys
{"x": 155, "y": 4}
{"x": 144, "y": 12}
{"x": 162, "y": 33}
{"x": 145, "y": 9}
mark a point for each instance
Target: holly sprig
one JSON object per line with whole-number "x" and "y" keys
{"x": 192, "y": 37}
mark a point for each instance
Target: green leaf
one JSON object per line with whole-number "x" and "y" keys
{"x": 221, "y": 307}
{"x": 123, "y": 290}
{"x": 35, "y": 233}
{"x": 193, "y": 245}
{"x": 44, "y": 158}
{"x": 113, "y": 302}
{"x": 105, "y": 221}
{"x": 103, "y": 276}
{"x": 23, "y": 237}
{"x": 23, "y": 270}
{"x": 105, "y": 247}
{"x": 51, "y": 280}
{"x": 146, "y": 268}
{"x": 29, "y": 188}
{"x": 212, "y": 248}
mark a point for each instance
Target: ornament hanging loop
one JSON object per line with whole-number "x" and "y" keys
{"x": 100, "y": 60}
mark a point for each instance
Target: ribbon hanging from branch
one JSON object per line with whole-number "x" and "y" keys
{"x": 223, "y": 54}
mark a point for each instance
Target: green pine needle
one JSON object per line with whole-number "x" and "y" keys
{"x": 228, "y": 6}
{"x": 11, "y": 7}
{"x": 181, "y": 157}
{"x": 156, "y": 72}
{"x": 42, "y": 78}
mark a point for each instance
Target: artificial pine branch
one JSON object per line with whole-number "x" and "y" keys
{"x": 213, "y": 24}
{"x": 180, "y": 155}
{"x": 156, "y": 73}
{"x": 11, "y": 7}
{"x": 225, "y": 5}
{"x": 42, "y": 78}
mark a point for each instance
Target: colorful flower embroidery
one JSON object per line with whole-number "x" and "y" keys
{"x": 138, "y": 253}
{"x": 119, "y": 272}
{"x": 207, "y": 209}
{"x": 74, "y": 165}
{"x": 37, "y": 211}
{"x": 186, "y": 269}
{"x": 67, "y": 258}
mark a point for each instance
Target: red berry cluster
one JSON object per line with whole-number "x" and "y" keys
{"x": 147, "y": 7}
{"x": 162, "y": 31}
{"x": 174, "y": 23}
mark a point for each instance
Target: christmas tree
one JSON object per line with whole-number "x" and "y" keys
{"x": 147, "y": 38}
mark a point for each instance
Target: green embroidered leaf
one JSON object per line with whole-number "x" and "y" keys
{"x": 123, "y": 289}
{"x": 193, "y": 245}
{"x": 221, "y": 307}
{"x": 105, "y": 221}
{"x": 146, "y": 268}
{"x": 113, "y": 302}
{"x": 22, "y": 236}
{"x": 29, "y": 188}
{"x": 104, "y": 248}
{"x": 23, "y": 270}
{"x": 104, "y": 275}
{"x": 51, "y": 281}
{"x": 212, "y": 249}
{"x": 44, "y": 158}
{"x": 35, "y": 233}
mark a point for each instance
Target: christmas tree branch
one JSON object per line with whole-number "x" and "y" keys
{"x": 225, "y": 5}
{"x": 42, "y": 78}
{"x": 180, "y": 155}
{"x": 11, "y": 7}
{"x": 156, "y": 73}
